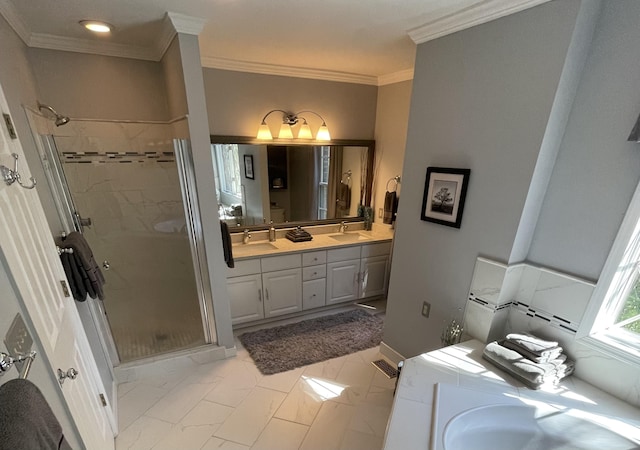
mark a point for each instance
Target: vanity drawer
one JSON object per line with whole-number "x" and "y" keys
{"x": 245, "y": 267}
{"x": 314, "y": 272}
{"x": 313, "y": 258}
{"x": 381, "y": 249}
{"x": 280, "y": 262}
{"x": 313, "y": 294}
{"x": 343, "y": 254}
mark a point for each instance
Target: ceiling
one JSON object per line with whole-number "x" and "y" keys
{"x": 368, "y": 41}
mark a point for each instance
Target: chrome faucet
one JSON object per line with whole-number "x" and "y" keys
{"x": 343, "y": 227}
{"x": 246, "y": 237}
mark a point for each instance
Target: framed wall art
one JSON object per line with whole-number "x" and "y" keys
{"x": 444, "y": 192}
{"x": 248, "y": 167}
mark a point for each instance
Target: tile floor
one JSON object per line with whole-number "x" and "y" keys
{"x": 341, "y": 404}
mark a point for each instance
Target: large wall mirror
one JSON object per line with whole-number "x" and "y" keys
{"x": 290, "y": 183}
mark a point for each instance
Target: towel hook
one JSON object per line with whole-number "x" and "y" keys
{"x": 11, "y": 176}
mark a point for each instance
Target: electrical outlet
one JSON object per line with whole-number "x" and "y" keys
{"x": 426, "y": 309}
{"x": 379, "y": 213}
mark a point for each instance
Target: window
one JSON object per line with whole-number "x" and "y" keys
{"x": 228, "y": 165}
{"x": 323, "y": 183}
{"x": 612, "y": 320}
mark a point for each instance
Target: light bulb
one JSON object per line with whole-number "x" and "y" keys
{"x": 96, "y": 26}
{"x": 305, "y": 131}
{"x": 264, "y": 132}
{"x": 285, "y": 132}
{"x": 323, "y": 133}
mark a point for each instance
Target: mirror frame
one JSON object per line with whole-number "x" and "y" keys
{"x": 371, "y": 147}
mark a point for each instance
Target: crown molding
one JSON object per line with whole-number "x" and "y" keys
{"x": 477, "y": 14}
{"x": 167, "y": 34}
{"x": 287, "y": 71}
{"x": 14, "y": 20}
{"x": 395, "y": 77}
{"x": 52, "y": 42}
{"x": 186, "y": 24}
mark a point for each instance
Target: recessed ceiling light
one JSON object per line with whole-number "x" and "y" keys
{"x": 96, "y": 26}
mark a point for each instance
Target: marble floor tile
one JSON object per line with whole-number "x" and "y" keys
{"x": 354, "y": 440}
{"x": 281, "y": 435}
{"x": 142, "y": 434}
{"x": 135, "y": 402}
{"x": 207, "y": 413}
{"x": 185, "y": 437}
{"x": 303, "y": 402}
{"x": 247, "y": 421}
{"x": 220, "y": 444}
{"x": 326, "y": 369}
{"x": 283, "y": 382}
{"x": 238, "y": 382}
{"x": 179, "y": 401}
{"x": 343, "y": 403}
{"x": 329, "y": 428}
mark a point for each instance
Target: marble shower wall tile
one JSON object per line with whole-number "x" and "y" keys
{"x": 478, "y": 320}
{"x": 561, "y": 295}
{"x": 488, "y": 278}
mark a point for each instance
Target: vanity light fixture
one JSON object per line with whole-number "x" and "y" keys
{"x": 289, "y": 119}
{"x": 96, "y": 26}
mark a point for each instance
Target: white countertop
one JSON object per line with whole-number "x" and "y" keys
{"x": 462, "y": 365}
{"x": 259, "y": 243}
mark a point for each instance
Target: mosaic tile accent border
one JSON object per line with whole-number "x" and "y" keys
{"x": 116, "y": 157}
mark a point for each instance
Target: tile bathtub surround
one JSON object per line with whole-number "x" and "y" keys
{"x": 342, "y": 403}
{"x": 462, "y": 365}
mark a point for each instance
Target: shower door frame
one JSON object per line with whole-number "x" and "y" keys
{"x": 67, "y": 212}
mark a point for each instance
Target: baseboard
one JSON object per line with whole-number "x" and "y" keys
{"x": 390, "y": 353}
{"x": 169, "y": 363}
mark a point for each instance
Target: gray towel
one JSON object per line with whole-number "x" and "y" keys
{"x": 543, "y": 356}
{"x": 92, "y": 275}
{"x": 532, "y": 343}
{"x": 26, "y": 419}
{"x": 390, "y": 205}
{"x": 532, "y": 374}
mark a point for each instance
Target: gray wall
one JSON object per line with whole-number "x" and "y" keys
{"x": 597, "y": 170}
{"x": 237, "y": 101}
{"x": 100, "y": 87}
{"x": 481, "y": 100}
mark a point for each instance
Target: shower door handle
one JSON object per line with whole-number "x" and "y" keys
{"x": 82, "y": 222}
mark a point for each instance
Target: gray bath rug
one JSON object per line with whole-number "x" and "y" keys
{"x": 310, "y": 341}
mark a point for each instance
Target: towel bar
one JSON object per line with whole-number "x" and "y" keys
{"x": 63, "y": 250}
{"x": 6, "y": 361}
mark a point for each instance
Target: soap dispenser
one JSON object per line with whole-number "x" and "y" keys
{"x": 272, "y": 232}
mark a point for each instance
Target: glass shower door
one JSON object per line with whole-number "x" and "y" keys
{"x": 131, "y": 191}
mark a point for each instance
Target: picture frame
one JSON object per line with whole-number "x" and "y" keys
{"x": 248, "y": 167}
{"x": 445, "y": 190}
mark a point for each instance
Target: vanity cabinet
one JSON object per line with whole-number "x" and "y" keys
{"x": 350, "y": 279}
{"x": 245, "y": 296}
{"x": 282, "y": 292}
{"x": 267, "y": 287}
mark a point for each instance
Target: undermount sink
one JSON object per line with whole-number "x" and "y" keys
{"x": 349, "y": 237}
{"x": 261, "y": 246}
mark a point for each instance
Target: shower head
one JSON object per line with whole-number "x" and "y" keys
{"x": 59, "y": 119}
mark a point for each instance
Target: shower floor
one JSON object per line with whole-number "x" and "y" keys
{"x": 145, "y": 325}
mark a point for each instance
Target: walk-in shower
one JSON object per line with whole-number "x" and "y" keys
{"x": 132, "y": 181}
